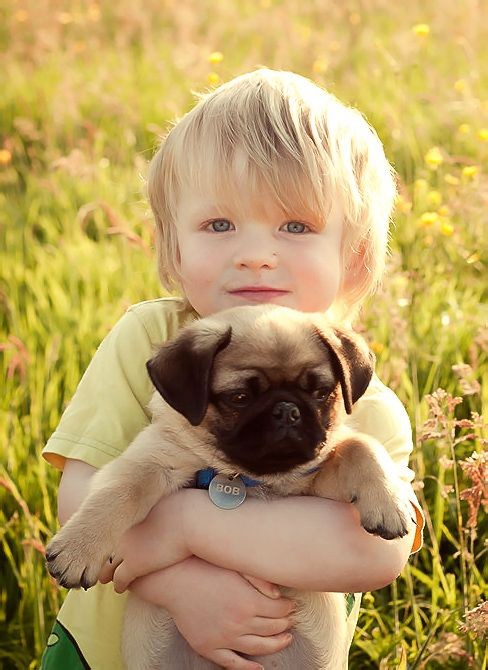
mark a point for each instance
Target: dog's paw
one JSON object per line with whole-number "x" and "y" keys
{"x": 383, "y": 513}
{"x": 73, "y": 560}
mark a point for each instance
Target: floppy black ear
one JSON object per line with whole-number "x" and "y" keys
{"x": 181, "y": 369}
{"x": 353, "y": 363}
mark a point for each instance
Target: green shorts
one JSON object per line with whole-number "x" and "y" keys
{"x": 62, "y": 652}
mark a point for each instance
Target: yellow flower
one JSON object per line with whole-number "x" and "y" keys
{"x": 216, "y": 57}
{"x": 377, "y": 347}
{"x": 213, "y": 78}
{"x": 451, "y": 179}
{"x": 447, "y": 228}
{"x": 433, "y": 158}
{"x": 5, "y": 156}
{"x": 464, "y": 129}
{"x": 320, "y": 65}
{"x": 428, "y": 218}
{"x": 483, "y": 134}
{"x": 421, "y": 29}
{"x": 420, "y": 187}
{"x": 460, "y": 85}
{"x": 470, "y": 171}
{"x": 444, "y": 211}
{"x": 434, "y": 198}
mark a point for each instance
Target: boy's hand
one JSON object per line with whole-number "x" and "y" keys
{"x": 219, "y": 612}
{"x": 154, "y": 544}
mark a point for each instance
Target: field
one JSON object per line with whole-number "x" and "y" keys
{"x": 88, "y": 88}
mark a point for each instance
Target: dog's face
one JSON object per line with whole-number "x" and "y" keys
{"x": 268, "y": 383}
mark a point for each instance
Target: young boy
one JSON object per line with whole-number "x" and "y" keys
{"x": 269, "y": 190}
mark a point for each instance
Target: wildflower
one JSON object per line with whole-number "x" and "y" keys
{"x": 433, "y": 158}
{"x": 447, "y": 229}
{"x": 213, "y": 78}
{"x": 421, "y": 29}
{"x": 460, "y": 85}
{"x": 216, "y": 57}
{"x": 5, "y": 156}
{"x": 464, "y": 129}
{"x": 377, "y": 347}
{"x": 428, "y": 218}
{"x": 434, "y": 198}
{"x": 451, "y": 179}
{"x": 420, "y": 188}
{"x": 470, "y": 171}
{"x": 483, "y": 134}
{"x": 467, "y": 381}
{"x": 477, "y": 621}
{"x": 320, "y": 65}
{"x": 475, "y": 467}
{"x": 444, "y": 211}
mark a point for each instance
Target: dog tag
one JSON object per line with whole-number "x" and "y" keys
{"x": 227, "y": 492}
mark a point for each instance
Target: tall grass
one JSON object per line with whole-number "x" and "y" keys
{"x": 86, "y": 90}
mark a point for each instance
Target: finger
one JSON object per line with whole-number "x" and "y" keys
{"x": 122, "y": 578}
{"x": 108, "y": 569}
{"x": 257, "y": 645}
{"x": 225, "y": 658}
{"x": 265, "y": 627}
{"x": 274, "y": 608}
{"x": 266, "y": 588}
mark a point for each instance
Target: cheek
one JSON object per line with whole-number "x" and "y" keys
{"x": 198, "y": 263}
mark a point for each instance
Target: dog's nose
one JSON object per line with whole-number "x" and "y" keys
{"x": 286, "y": 413}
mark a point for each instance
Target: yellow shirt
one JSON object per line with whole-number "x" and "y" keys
{"x": 109, "y": 409}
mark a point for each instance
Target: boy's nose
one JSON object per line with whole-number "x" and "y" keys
{"x": 257, "y": 258}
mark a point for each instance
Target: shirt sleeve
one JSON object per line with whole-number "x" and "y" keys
{"x": 109, "y": 407}
{"x": 380, "y": 413}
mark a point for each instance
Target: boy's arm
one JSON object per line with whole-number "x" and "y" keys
{"x": 302, "y": 542}
{"x": 73, "y": 487}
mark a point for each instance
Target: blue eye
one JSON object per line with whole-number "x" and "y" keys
{"x": 220, "y": 226}
{"x": 295, "y": 227}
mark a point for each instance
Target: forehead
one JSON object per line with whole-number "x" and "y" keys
{"x": 238, "y": 183}
{"x": 277, "y": 357}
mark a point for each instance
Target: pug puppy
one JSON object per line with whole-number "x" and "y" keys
{"x": 258, "y": 394}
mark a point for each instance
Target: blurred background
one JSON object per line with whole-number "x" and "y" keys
{"x": 87, "y": 89}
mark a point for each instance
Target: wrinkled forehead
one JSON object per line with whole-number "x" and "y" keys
{"x": 273, "y": 359}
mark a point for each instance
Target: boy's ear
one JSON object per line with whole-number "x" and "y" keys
{"x": 352, "y": 360}
{"x": 181, "y": 369}
{"x": 354, "y": 269}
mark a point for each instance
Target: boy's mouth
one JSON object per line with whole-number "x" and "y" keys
{"x": 258, "y": 293}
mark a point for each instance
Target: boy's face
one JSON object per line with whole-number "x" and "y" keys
{"x": 250, "y": 252}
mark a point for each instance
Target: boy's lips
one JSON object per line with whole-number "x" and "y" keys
{"x": 258, "y": 293}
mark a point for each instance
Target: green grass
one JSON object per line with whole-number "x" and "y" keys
{"x": 86, "y": 89}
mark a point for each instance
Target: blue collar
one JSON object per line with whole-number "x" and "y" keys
{"x": 204, "y": 477}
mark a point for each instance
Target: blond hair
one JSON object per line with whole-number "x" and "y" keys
{"x": 303, "y": 144}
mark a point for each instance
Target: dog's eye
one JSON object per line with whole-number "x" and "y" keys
{"x": 238, "y": 399}
{"x": 321, "y": 394}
